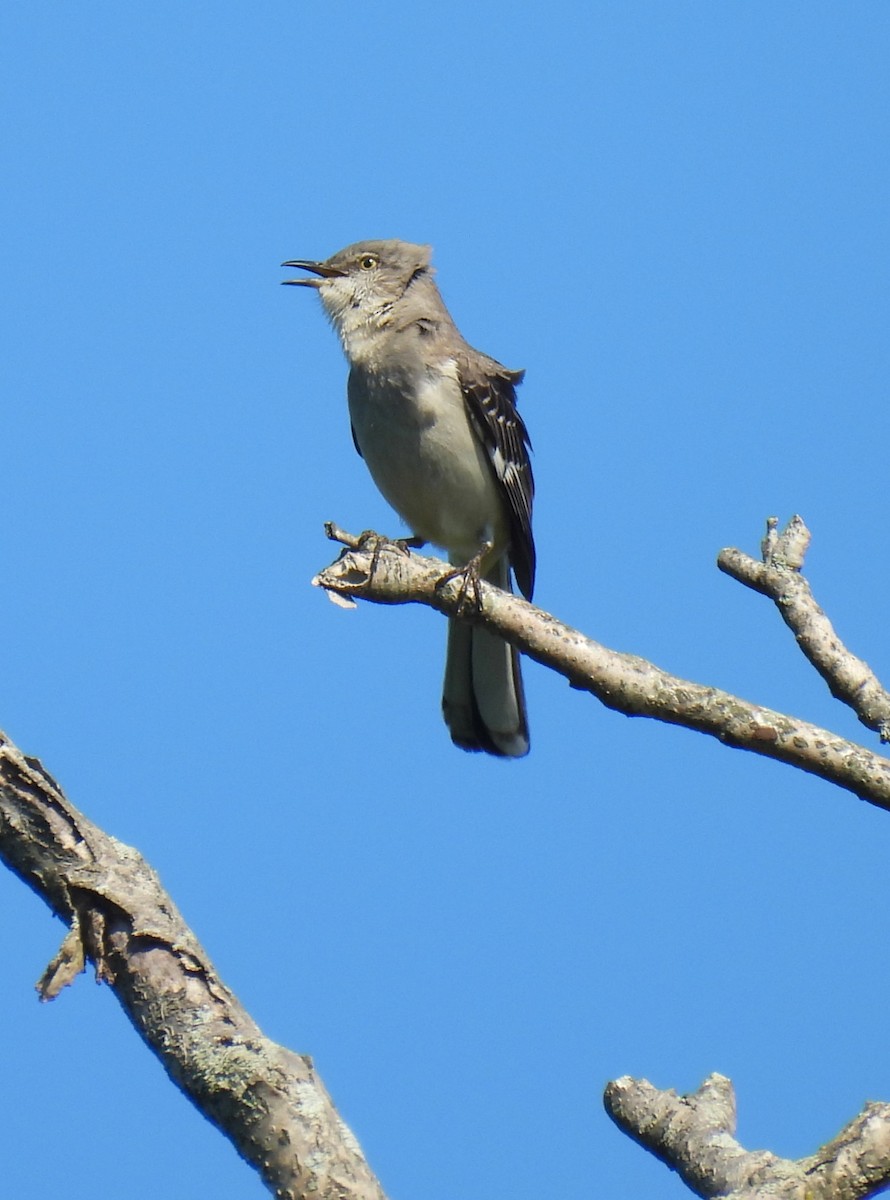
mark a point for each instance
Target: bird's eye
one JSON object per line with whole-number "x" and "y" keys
{"x": 368, "y": 262}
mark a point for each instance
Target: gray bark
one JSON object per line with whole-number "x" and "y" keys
{"x": 266, "y": 1099}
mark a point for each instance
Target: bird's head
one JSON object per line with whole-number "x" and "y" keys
{"x": 359, "y": 285}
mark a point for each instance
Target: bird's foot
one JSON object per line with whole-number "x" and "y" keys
{"x": 367, "y": 541}
{"x": 377, "y": 543}
{"x": 469, "y": 598}
{"x": 373, "y": 543}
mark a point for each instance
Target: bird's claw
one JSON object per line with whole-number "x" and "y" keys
{"x": 469, "y": 597}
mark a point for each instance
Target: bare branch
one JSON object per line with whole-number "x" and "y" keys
{"x": 694, "y": 1135}
{"x": 857, "y": 1161}
{"x": 266, "y": 1099}
{"x": 373, "y": 569}
{"x": 778, "y": 576}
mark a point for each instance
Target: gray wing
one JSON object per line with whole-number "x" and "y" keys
{"x": 490, "y": 394}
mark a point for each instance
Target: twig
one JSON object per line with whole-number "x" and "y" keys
{"x": 778, "y": 576}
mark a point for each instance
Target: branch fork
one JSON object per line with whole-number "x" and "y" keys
{"x": 694, "y": 1135}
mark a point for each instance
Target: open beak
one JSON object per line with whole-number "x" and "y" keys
{"x": 317, "y": 268}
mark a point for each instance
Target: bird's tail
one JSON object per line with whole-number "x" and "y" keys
{"x": 483, "y": 699}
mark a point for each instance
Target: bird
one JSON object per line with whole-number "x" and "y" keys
{"x": 437, "y": 425}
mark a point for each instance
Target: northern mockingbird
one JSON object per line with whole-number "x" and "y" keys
{"x": 436, "y": 423}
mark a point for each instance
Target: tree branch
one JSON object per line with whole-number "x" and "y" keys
{"x": 266, "y": 1099}
{"x": 778, "y": 576}
{"x": 372, "y": 568}
{"x": 694, "y": 1136}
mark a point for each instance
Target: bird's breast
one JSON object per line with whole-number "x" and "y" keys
{"x": 412, "y": 428}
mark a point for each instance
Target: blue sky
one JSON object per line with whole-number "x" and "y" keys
{"x": 675, "y": 217}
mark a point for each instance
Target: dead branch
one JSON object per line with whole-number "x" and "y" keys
{"x": 694, "y": 1136}
{"x": 266, "y": 1099}
{"x": 372, "y": 568}
{"x": 779, "y": 577}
